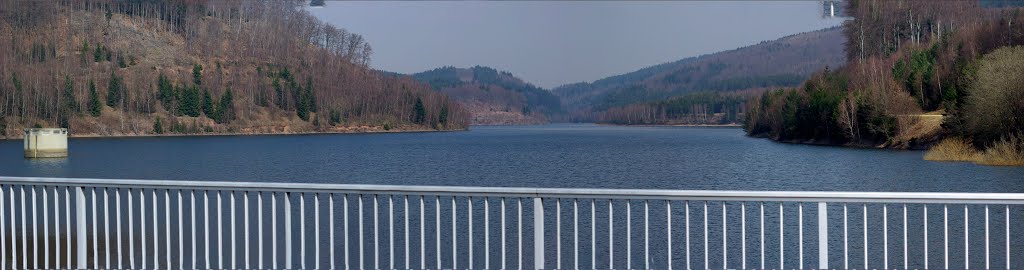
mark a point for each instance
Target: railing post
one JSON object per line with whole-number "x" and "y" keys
{"x": 823, "y": 235}
{"x": 538, "y": 233}
{"x": 80, "y": 225}
{"x": 287, "y": 231}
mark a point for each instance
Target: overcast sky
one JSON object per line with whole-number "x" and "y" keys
{"x": 554, "y": 43}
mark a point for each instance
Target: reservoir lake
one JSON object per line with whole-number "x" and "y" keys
{"x": 560, "y": 155}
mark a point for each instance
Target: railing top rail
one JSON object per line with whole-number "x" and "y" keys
{"x": 588, "y": 193}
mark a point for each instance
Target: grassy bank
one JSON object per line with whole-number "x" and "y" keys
{"x": 953, "y": 149}
{"x": 1008, "y": 151}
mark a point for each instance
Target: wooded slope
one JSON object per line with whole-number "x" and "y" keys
{"x": 104, "y": 67}
{"x": 906, "y": 58}
{"x": 783, "y": 62}
{"x": 494, "y": 97}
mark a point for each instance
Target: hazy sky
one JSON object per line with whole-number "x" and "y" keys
{"x": 554, "y": 43}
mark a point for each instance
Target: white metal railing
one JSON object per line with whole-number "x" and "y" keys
{"x": 168, "y": 224}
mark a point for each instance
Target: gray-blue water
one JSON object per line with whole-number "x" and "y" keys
{"x": 530, "y": 156}
{"x": 540, "y": 156}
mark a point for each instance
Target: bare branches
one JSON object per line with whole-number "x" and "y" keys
{"x": 242, "y": 44}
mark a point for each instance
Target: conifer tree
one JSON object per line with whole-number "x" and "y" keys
{"x": 208, "y": 108}
{"x": 226, "y": 107}
{"x": 197, "y": 74}
{"x": 158, "y": 126}
{"x": 420, "y": 112}
{"x": 335, "y": 117}
{"x": 442, "y": 116}
{"x": 304, "y": 100}
{"x": 97, "y": 55}
{"x": 278, "y": 93}
{"x": 165, "y": 90}
{"x": 70, "y": 103}
{"x": 120, "y": 61}
{"x": 115, "y": 90}
{"x": 190, "y": 101}
{"x": 95, "y": 108}
{"x": 311, "y": 103}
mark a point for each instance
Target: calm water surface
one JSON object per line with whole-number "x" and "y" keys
{"x": 521, "y": 156}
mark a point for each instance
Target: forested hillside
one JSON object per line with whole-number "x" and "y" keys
{"x": 639, "y": 97}
{"x": 493, "y": 97}
{"x": 103, "y": 67}
{"x": 703, "y": 108}
{"x": 906, "y": 58}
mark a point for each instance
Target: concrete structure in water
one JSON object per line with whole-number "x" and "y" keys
{"x": 46, "y": 142}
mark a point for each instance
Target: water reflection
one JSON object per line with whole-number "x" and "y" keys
{"x": 47, "y": 166}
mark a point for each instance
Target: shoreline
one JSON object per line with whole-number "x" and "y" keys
{"x": 914, "y": 145}
{"x": 673, "y": 125}
{"x": 241, "y": 134}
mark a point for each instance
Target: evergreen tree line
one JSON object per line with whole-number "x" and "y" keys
{"x": 288, "y": 95}
{"x": 69, "y": 105}
{"x": 179, "y": 99}
{"x": 104, "y": 54}
{"x": 195, "y": 100}
{"x": 820, "y": 110}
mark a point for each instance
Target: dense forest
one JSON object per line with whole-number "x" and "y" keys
{"x": 907, "y": 58}
{"x": 494, "y": 97}
{"x": 104, "y": 67}
{"x": 742, "y": 72}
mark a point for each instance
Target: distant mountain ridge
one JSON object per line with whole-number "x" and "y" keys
{"x": 499, "y": 97}
{"x": 784, "y": 62}
{"x": 492, "y": 96}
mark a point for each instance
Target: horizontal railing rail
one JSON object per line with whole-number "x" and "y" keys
{"x": 117, "y": 224}
{"x": 580, "y": 193}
